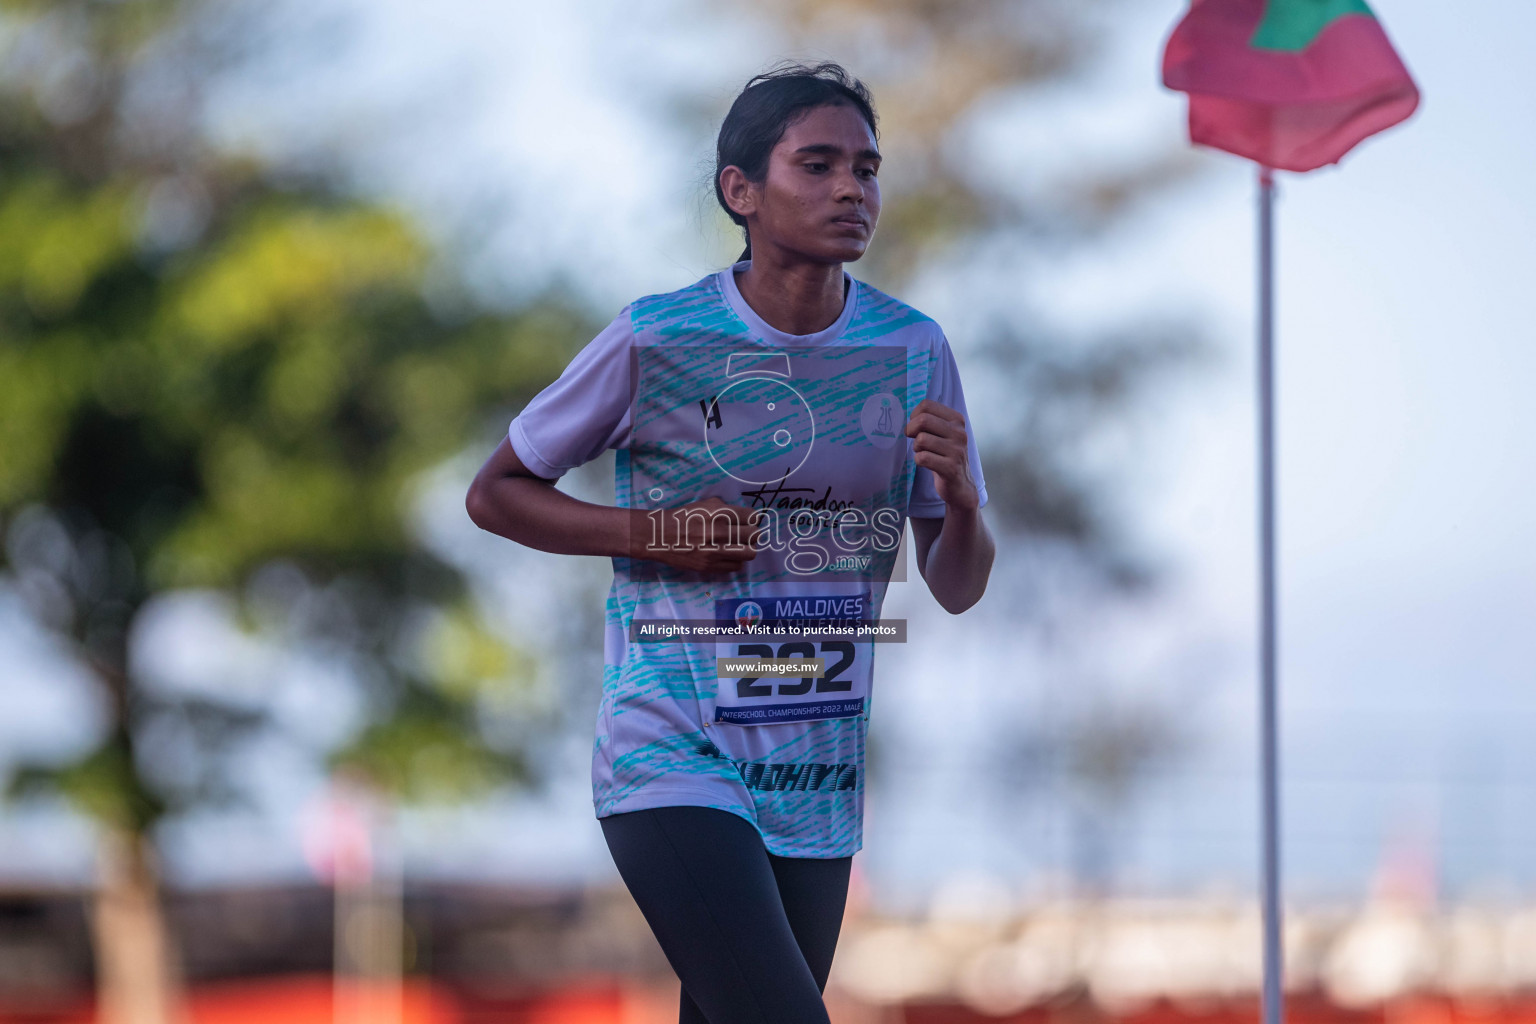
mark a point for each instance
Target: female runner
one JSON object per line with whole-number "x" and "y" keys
{"x": 733, "y": 805}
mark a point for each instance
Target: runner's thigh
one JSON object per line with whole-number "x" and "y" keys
{"x": 704, "y": 882}
{"x": 814, "y": 892}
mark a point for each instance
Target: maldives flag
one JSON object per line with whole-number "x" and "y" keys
{"x": 1292, "y": 84}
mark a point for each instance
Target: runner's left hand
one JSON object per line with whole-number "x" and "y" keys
{"x": 940, "y": 445}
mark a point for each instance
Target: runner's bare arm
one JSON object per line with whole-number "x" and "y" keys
{"x": 508, "y": 499}
{"x": 954, "y": 555}
{"x": 955, "y": 552}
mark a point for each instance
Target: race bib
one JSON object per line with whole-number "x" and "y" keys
{"x": 831, "y": 622}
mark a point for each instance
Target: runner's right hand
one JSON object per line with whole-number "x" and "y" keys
{"x": 706, "y": 536}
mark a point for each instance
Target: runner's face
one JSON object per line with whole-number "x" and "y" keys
{"x": 820, "y": 171}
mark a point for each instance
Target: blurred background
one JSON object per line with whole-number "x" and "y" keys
{"x": 284, "y": 737}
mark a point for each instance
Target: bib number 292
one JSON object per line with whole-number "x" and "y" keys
{"x": 843, "y": 687}
{"x": 833, "y": 681}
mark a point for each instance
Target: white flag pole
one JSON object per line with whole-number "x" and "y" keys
{"x": 1274, "y": 1009}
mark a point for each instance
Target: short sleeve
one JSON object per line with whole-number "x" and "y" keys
{"x": 585, "y": 411}
{"x": 944, "y": 387}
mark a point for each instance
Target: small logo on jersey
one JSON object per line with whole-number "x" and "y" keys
{"x": 748, "y": 613}
{"x": 882, "y": 419}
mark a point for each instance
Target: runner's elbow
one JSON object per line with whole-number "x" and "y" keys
{"x": 478, "y": 503}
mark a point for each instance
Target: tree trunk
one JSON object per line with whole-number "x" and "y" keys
{"x": 137, "y": 981}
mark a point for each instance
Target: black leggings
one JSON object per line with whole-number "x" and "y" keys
{"x": 749, "y": 934}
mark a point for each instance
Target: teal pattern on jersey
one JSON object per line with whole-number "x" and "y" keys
{"x": 800, "y": 783}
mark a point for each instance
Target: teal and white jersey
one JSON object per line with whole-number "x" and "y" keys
{"x": 700, "y": 397}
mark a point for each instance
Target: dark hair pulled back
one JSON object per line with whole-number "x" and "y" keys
{"x": 768, "y": 103}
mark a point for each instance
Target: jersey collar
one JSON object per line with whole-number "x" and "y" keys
{"x": 757, "y": 326}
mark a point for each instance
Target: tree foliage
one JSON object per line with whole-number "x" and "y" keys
{"x": 219, "y": 377}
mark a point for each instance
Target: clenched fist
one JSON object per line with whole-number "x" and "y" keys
{"x": 706, "y": 536}
{"x": 941, "y": 445}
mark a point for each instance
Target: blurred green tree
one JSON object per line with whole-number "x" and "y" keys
{"x": 216, "y": 377}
